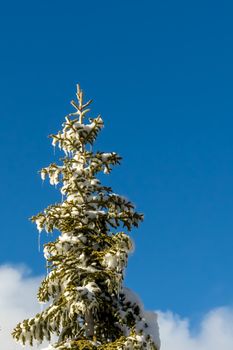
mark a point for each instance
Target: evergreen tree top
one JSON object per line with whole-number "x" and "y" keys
{"x": 87, "y": 305}
{"x": 89, "y": 204}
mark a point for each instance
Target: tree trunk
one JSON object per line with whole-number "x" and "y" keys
{"x": 89, "y": 325}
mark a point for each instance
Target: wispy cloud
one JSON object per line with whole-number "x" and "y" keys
{"x": 18, "y": 301}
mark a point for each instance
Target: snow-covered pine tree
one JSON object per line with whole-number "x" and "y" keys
{"x": 87, "y": 306}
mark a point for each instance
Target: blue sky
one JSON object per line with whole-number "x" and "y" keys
{"x": 160, "y": 74}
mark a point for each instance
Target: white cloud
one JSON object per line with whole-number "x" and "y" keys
{"x": 18, "y": 301}
{"x": 215, "y": 331}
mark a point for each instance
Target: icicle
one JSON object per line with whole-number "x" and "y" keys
{"x": 41, "y": 307}
{"x": 39, "y": 238}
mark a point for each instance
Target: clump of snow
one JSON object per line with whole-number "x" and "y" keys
{"x": 89, "y": 290}
{"x": 39, "y": 223}
{"x": 50, "y": 347}
{"x": 111, "y": 261}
